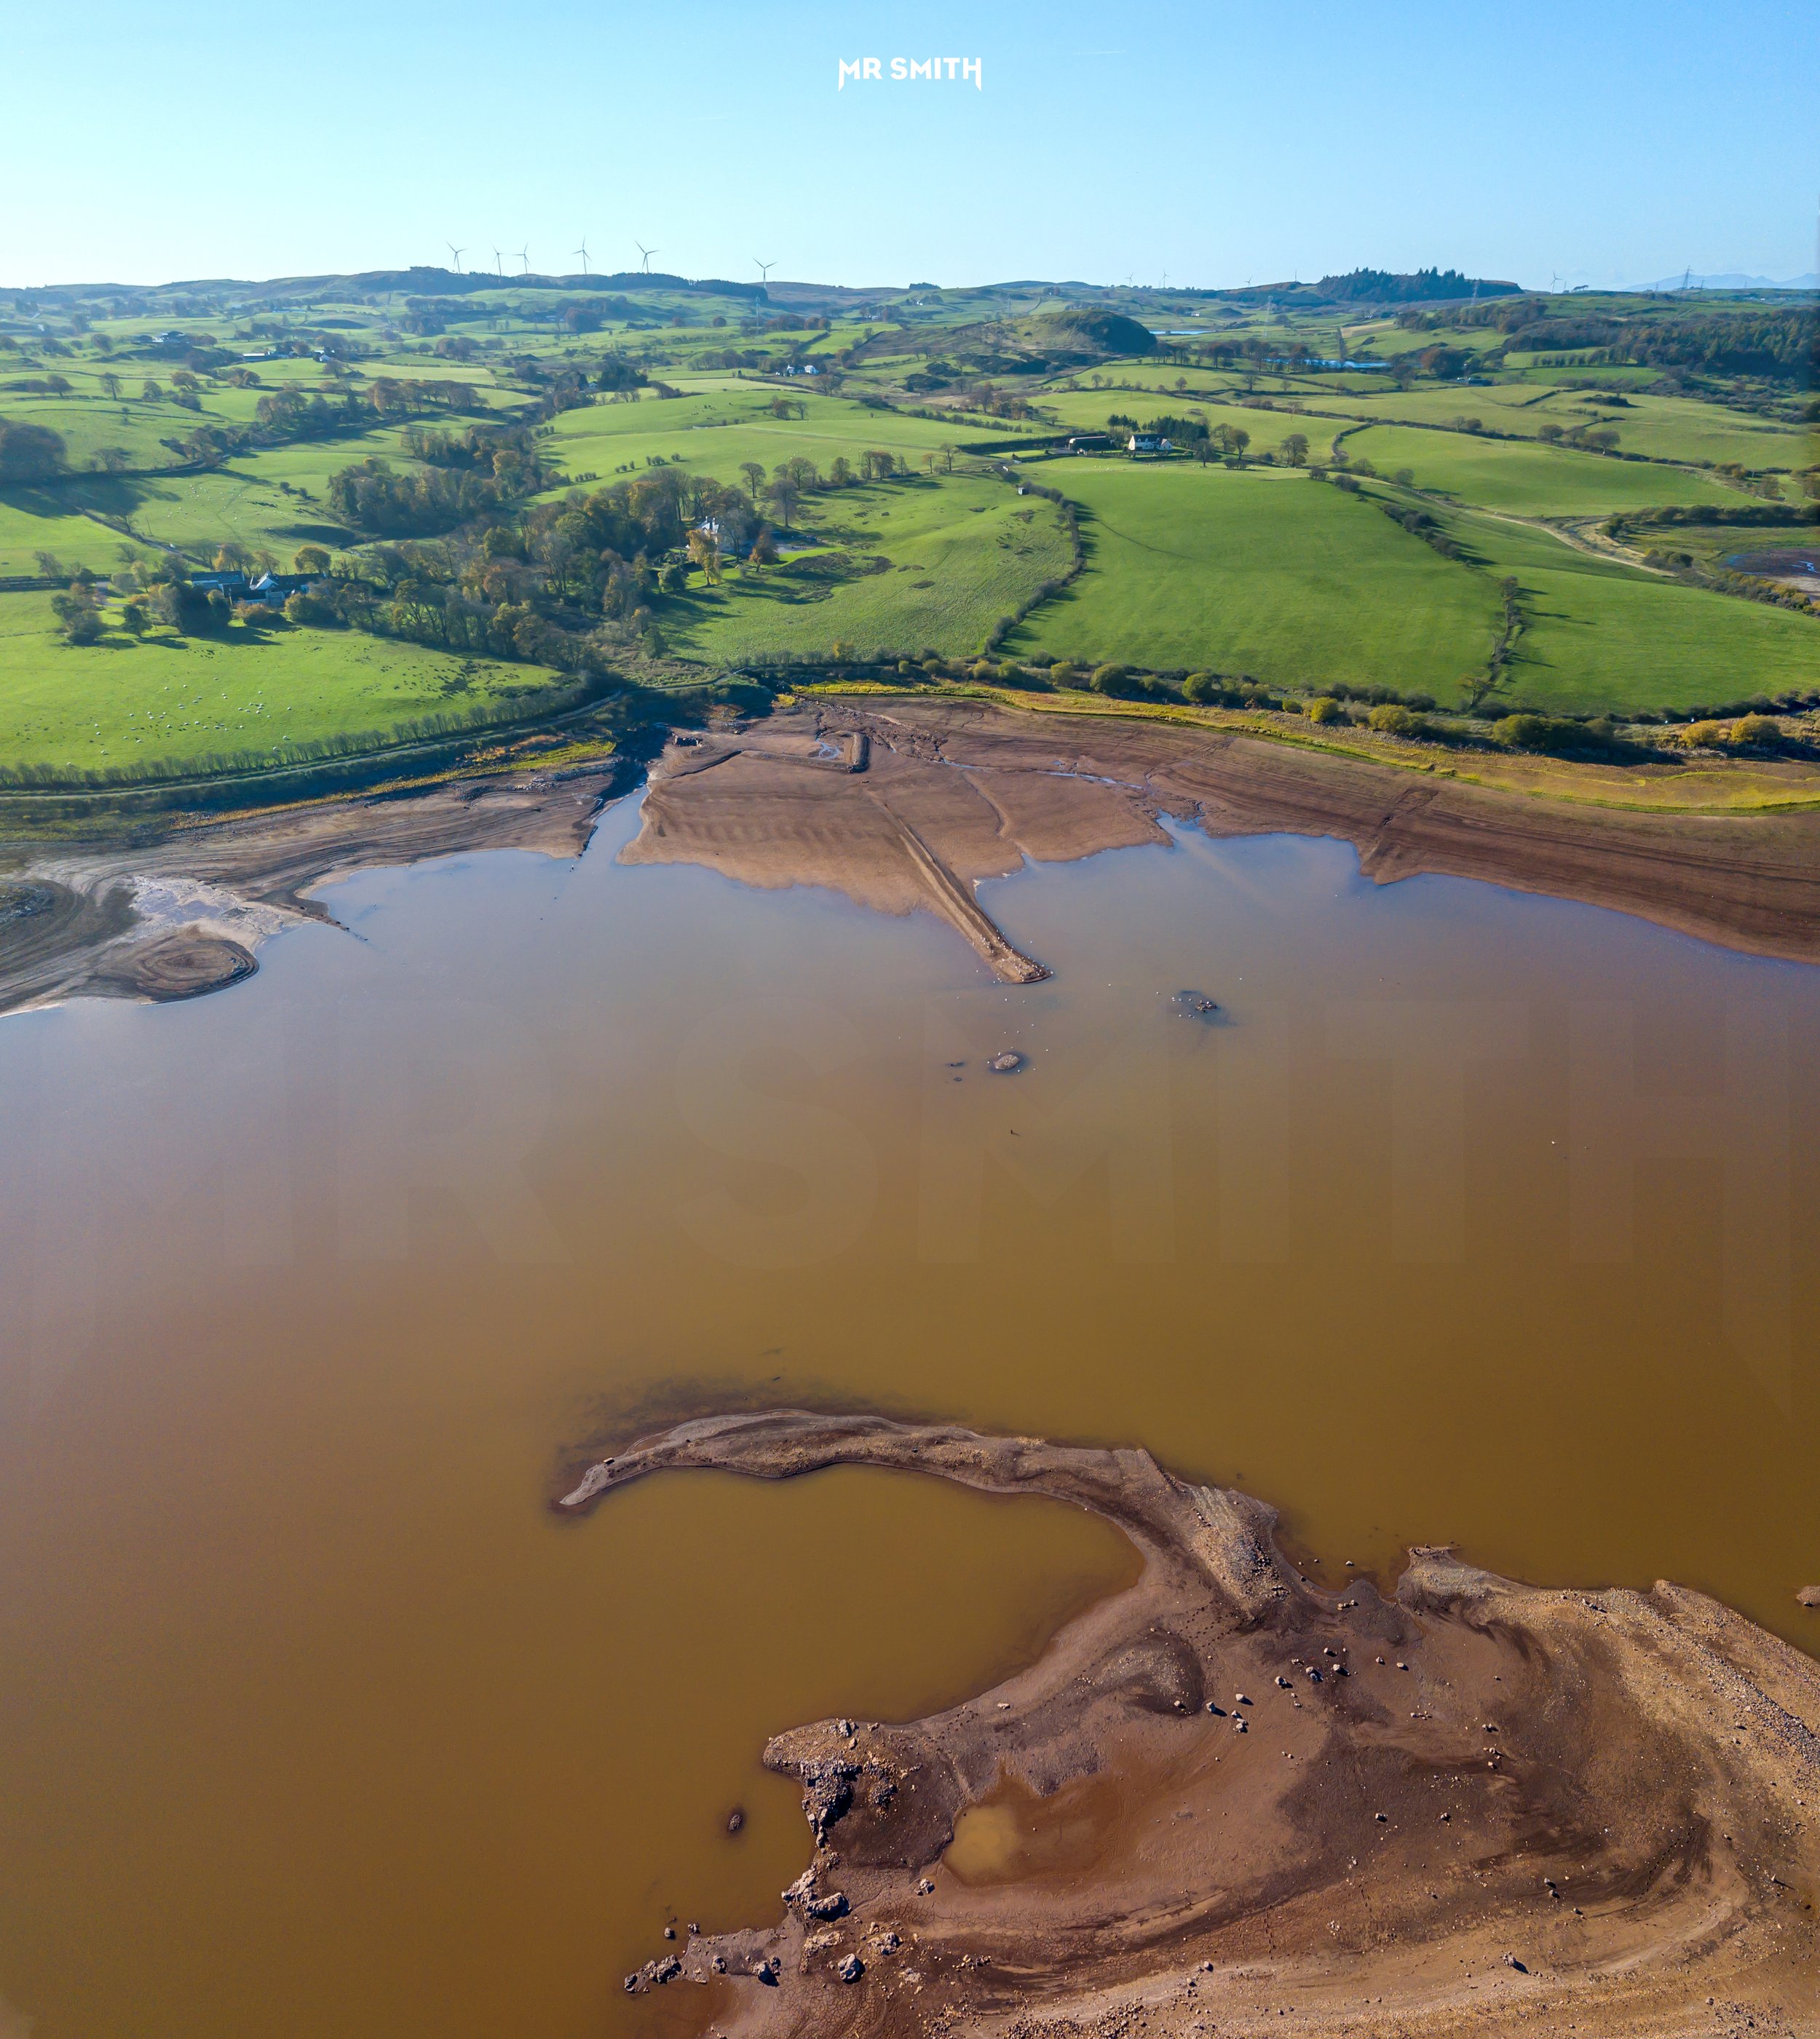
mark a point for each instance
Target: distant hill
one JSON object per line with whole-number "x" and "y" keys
{"x": 1734, "y": 280}
{"x": 1385, "y": 286}
{"x": 1075, "y": 327}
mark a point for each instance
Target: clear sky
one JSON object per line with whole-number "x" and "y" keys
{"x": 1615, "y": 141}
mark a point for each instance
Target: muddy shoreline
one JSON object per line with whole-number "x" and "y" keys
{"x": 184, "y": 914}
{"x": 985, "y": 787}
{"x": 1468, "y": 1806}
{"x": 904, "y": 806}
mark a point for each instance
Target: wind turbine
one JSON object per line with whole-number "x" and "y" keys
{"x": 458, "y": 253}
{"x": 764, "y": 269}
{"x": 499, "y": 268}
{"x": 525, "y": 259}
{"x": 1554, "y": 286}
{"x": 582, "y": 251}
{"x": 647, "y": 252}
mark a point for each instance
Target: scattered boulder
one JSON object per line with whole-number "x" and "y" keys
{"x": 1809, "y": 1596}
{"x": 851, "y": 1969}
{"x": 1007, "y": 1062}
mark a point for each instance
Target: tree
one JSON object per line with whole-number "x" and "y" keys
{"x": 1756, "y": 730}
{"x": 151, "y": 391}
{"x": 231, "y": 556}
{"x": 1324, "y": 708}
{"x": 50, "y": 567}
{"x": 755, "y": 474}
{"x": 785, "y": 492}
{"x": 311, "y": 560}
{"x": 764, "y": 548}
{"x": 1393, "y": 719}
{"x": 133, "y": 615}
{"x": 1295, "y": 448}
{"x": 840, "y": 473}
{"x": 111, "y": 386}
{"x": 78, "y": 613}
{"x": 705, "y": 553}
{"x": 111, "y": 459}
{"x": 29, "y": 453}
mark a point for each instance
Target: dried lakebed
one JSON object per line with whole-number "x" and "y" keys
{"x": 903, "y": 806}
{"x": 1225, "y": 1794}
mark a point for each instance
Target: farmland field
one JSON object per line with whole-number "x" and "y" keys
{"x": 1265, "y": 573}
{"x": 1604, "y": 637}
{"x": 186, "y": 699}
{"x": 1534, "y": 481}
{"x": 962, "y": 552}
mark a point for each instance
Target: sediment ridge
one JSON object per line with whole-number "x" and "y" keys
{"x": 1229, "y": 1801}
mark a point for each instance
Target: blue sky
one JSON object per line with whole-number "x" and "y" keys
{"x": 1611, "y": 143}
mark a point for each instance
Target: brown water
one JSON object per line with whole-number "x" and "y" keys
{"x": 313, "y": 1719}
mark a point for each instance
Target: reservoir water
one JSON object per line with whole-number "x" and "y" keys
{"x": 1466, "y": 1217}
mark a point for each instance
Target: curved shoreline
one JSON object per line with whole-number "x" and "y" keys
{"x": 1475, "y": 1805}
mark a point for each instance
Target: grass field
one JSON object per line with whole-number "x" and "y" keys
{"x": 123, "y": 703}
{"x": 715, "y": 431}
{"x": 1534, "y": 481}
{"x": 1263, "y": 572}
{"x": 962, "y": 552}
{"x": 1084, "y": 411}
{"x": 1604, "y": 637}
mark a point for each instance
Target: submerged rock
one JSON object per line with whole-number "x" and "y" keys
{"x": 1007, "y": 1062}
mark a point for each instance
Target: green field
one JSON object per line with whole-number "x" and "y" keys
{"x": 962, "y": 552}
{"x": 181, "y": 701}
{"x": 1263, "y": 572}
{"x": 1534, "y": 481}
{"x": 1257, "y": 571}
{"x": 1604, "y": 637}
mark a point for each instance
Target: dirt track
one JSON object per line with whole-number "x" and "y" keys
{"x": 1238, "y": 1804}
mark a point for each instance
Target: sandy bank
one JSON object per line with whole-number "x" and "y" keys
{"x": 948, "y": 792}
{"x": 1225, "y": 1796}
{"x": 184, "y": 913}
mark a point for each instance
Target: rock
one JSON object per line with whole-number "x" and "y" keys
{"x": 1007, "y": 1062}
{"x": 833, "y": 1906}
{"x": 670, "y": 1932}
{"x": 736, "y": 1819}
{"x": 851, "y": 1969}
{"x": 666, "y": 1970}
{"x": 1809, "y": 1596}
{"x": 924, "y": 1887}
{"x": 765, "y": 1971}
{"x": 632, "y": 1985}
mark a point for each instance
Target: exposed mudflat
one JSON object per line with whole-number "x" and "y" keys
{"x": 183, "y": 913}
{"x": 1226, "y": 1801}
{"x": 904, "y": 806}
{"x": 908, "y": 804}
